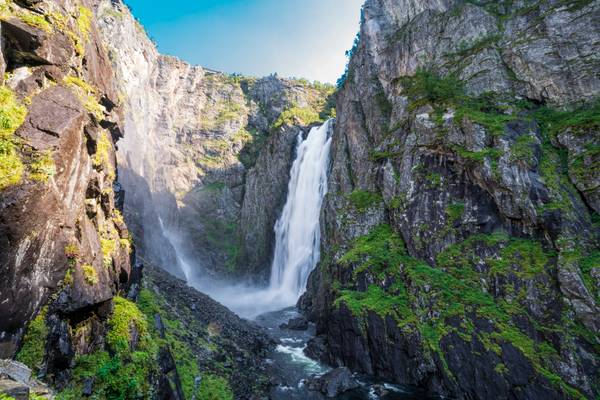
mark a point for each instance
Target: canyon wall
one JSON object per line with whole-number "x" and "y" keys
{"x": 77, "y": 311}
{"x": 208, "y": 153}
{"x": 461, "y": 229}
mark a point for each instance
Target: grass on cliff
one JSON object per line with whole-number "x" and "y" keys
{"x": 124, "y": 369}
{"x": 33, "y": 347}
{"x": 12, "y": 115}
{"x": 296, "y": 116}
{"x": 362, "y": 200}
{"x": 423, "y": 299}
{"x": 213, "y": 386}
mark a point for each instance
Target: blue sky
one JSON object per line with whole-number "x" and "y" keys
{"x": 295, "y": 38}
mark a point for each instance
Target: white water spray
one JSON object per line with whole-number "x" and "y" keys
{"x": 297, "y": 233}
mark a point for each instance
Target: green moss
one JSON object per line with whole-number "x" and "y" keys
{"x": 586, "y": 265}
{"x": 35, "y": 20}
{"x": 120, "y": 372}
{"x": 108, "y": 247}
{"x": 523, "y": 149}
{"x": 87, "y": 95}
{"x": 89, "y": 274}
{"x": 214, "y": 388}
{"x": 252, "y": 148}
{"x": 12, "y": 115}
{"x": 381, "y": 249}
{"x": 466, "y": 49}
{"x": 126, "y": 316}
{"x": 362, "y": 200}
{"x": 33, "y": 347}
{"x": 185, "y": 359}
{"x": 455, "y": 211}
{"x": 426, "y": 86}
{"x": 84, "y": 21}
{"x": 585, "y": 118}
{"x": 223, "y": 236}
{"x": 423, "y": 298}
{"x": 102, "y": 158}
{"x": 6, "y": 397}
{"x": 296, "y": 116}
{"x": 42, "y": 167}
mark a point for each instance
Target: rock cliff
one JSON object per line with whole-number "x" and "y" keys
{"x": 211, "y": 148}
{"x": 461, "y": 230}
{"x": 75, "y": 308}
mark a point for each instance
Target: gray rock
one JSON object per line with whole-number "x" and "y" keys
{"x": 334, "y": 382}
{"x": 296, "y": 324}
{"x": 15, "y": 370}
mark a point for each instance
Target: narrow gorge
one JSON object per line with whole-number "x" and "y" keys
{"x": 428, "y": 228}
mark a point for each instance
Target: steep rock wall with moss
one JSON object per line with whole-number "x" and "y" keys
{"x": 461, "y": 226}
{"x": 211, "y": 149}
{"x": 63, "y": 239}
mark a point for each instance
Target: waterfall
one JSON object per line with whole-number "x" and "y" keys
{"x": 297, "y": 234}
{"x": 297, "y": 231}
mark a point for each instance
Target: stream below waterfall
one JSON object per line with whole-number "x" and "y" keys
{"x": 292, "y": 367}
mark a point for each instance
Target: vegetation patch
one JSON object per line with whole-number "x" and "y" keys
{"x": 12, "y": 115}
{"x": 215, "y": 388}
{"x": 90, "y": 276}
{"x": 102, "y": 158}
{"x": 363, "y": 200}
{"x": 121, "y": 371}
{"x": 422, "y": 298}
{"x": 523, "y": 149}
{"x": 42, "y": 167}
{"x": 33, "y": 347}
{"x": 87, "y": 95}
{"x": 296, "y": 116}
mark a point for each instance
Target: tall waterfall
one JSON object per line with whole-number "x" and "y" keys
{"x": 297, "y": 234}
{"x": 297, "y": 231}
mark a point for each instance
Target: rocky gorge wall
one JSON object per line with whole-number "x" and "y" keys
{"x": 461, "y": 229}
{"x": 211, "y": 149}
{"x": 77, "y": 311}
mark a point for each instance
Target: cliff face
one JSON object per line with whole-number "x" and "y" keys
{"x": 73, "y": 308}
{"x": 62, "y": 238}
{"x": 461, "y": 225}
{"x": 211, "y": 148}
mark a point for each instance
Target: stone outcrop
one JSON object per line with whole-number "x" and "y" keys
{"x": 63, "y": 241}
{"x": 461, "y": 230}
{"x": 209, "y": 148}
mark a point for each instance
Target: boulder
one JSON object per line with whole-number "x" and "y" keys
{"x": 15, "y": 370}
{"x": 333, "y": 383}
{"x": 14, "y": 390}
{"x": 296, "y": 324}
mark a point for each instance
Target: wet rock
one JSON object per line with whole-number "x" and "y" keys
{"x": 333, "y": 383}
{"x": 88, "y": 386}
{"x": 15, "y": 370}
{"x": 15, "y": 390}
{"x": 296, "y": 324}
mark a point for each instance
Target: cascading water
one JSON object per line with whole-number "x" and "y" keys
{"x": 297, "y": 231}
{"x": 297, "y": 234}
